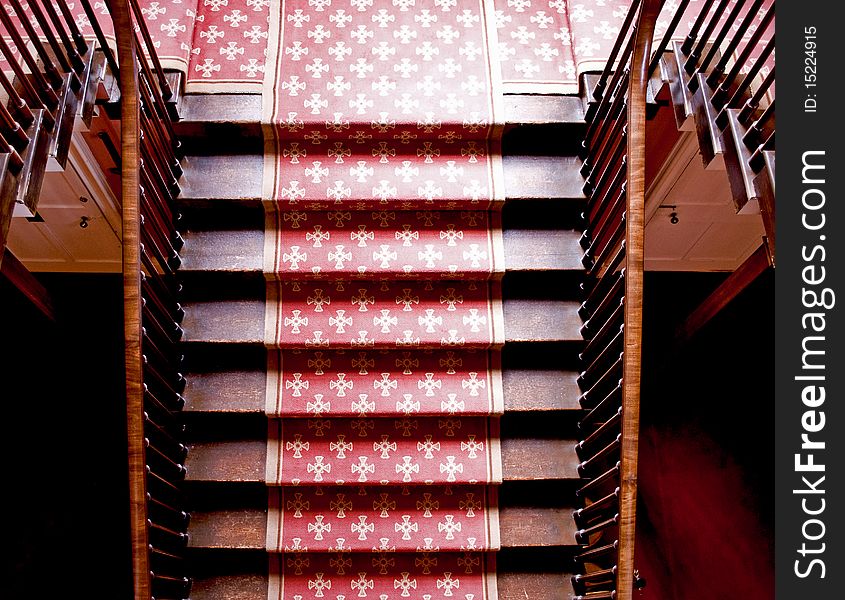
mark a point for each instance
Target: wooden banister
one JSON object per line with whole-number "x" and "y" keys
{"x": 634, "y": 258}
{"x": 131, "y": 232}
{"x": 614, "y": 227}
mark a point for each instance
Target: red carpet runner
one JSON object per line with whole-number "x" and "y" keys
{"x": 383, "y": 252}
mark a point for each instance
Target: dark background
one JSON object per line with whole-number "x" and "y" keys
{"x": 66, "y": 523}
{"x": 705, "y": 526}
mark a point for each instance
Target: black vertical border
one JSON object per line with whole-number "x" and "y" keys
{"x": 798, "y": 132}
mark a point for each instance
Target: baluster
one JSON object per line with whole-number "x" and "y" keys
{"x": 667, "y": 36}
{"x": 611, "y": 474}
{"x": 169, "y": 260}
{"x": 111, "y": 150}
{"x": 608, "y": 217}
{"x": 141, "y": 24}
{"x": 582, "y": 536}
{"x": 162, "y": 413}
{"x": 598, "y": 553}
{"x": 694, "y": 54}
{"x": 608, "y": 403}
{"x": 599, "y": 457}
{"x": 753, "y": 103}
{"x": 165, "y": 512}
{"x": 757, "y": 160}
{"x": 179, "y": 587}
{"x": 26, "y": 85}
{"x": 156, "y": 253}
{"x": 47, "y": 63}
{"x": 596, "y": 345}
{"x": 607, "y": 379}
{"x": 17, "y": 103}
{"x": 168, "y": 535}
{"x": 101, "y": 38}
{"x": 163, "y": 556}
{"x": 755, "y": 130}
{"x": 76, "y": 60}
{"x": 597, "y": 127}
{"x": 611, "y": 61}
{"x": 45, "y": 89}
{"x": 586, "y": 514}
{"x": 160, "y": 232}
{"x": 614, "y": 118}
{"x": 587, "y": 377}
{"x": 159, "y": 294}
{"x": 164, "y": 462}
{"x": 168, "y": 364}
{"x": 64, "y": 63}
{"x": 599, "y": 203}
{"x": 78, "y": 38}
{"x": 719, "y": 69}
{"x": 745, "y": 84}
{"x": 589, "y": 285}
{"x": 609, "y": 288}
{"x": 618, "y": 235}
{"x": 15, "y": 160}
{"x": 620, "y": 149}
{"x": 18, "y": 136}
{"x": 162, "y": 137}
{"x": 155, "y": 106}
{"x": 162, "y": 210}
{"x": 162, "y": 383}
{"x": 162, "y": 485}
{"x": 583, "y": 447}
{"x": 589, "y": 327}
{"x": 164, "y": 439}
{"x": 601, "y": 577}
{"x": 716, "y": 45}
{"x": 742, "y": 59}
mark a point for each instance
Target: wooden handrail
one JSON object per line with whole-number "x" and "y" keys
{"x": 634, "y": 258}
{"x": 131, "y": 232}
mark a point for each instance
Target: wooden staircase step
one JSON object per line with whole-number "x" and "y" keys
{"x": 243, "y": 250}
{"x": 241, "y": 320}
{"x": 218, "y": 178}
{"x": 243, "y": 460}
{"x": 243, "y": 390}
{"x": 512, "y": 584}
{"x": 205, "y": 117}
{"x": 246, "y": 528}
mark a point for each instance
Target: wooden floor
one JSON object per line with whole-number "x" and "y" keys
{"x": 225, "y": 360}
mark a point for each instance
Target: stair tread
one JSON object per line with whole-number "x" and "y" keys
{"x": 244, "y": 390}
{"x": 520, "y": 527}
{"x": 511, "y": 584}
{"x": 243, "y": 460}
{"x": 243, "y": 250}
{"x": 238, "y": 177}
{"x": 246, "y": 108}
{"x": 242, "y": 320}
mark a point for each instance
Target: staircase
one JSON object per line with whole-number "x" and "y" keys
{"x": 225, "y": 358}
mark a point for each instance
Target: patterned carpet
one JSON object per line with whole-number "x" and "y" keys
{"x": 383, "y": 250}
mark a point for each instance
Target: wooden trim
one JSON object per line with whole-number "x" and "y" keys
{"x": 130, "y": 123}
{"x": 730, "y": 288}
{"x": 635, "y": 227}
{"x": 17, "y": 274}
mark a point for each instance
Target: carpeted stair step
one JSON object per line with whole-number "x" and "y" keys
{"x": 218, "y": 179}
{"x": 241, "y": 320}
{"x": 232, "y": 378}
{"x": 208, "y": 120}
{"x": 244, "y": 526}
{"x": 522, "y": 574}
{"x": 243, "y": 460}
{"x": 221, "y": 245}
